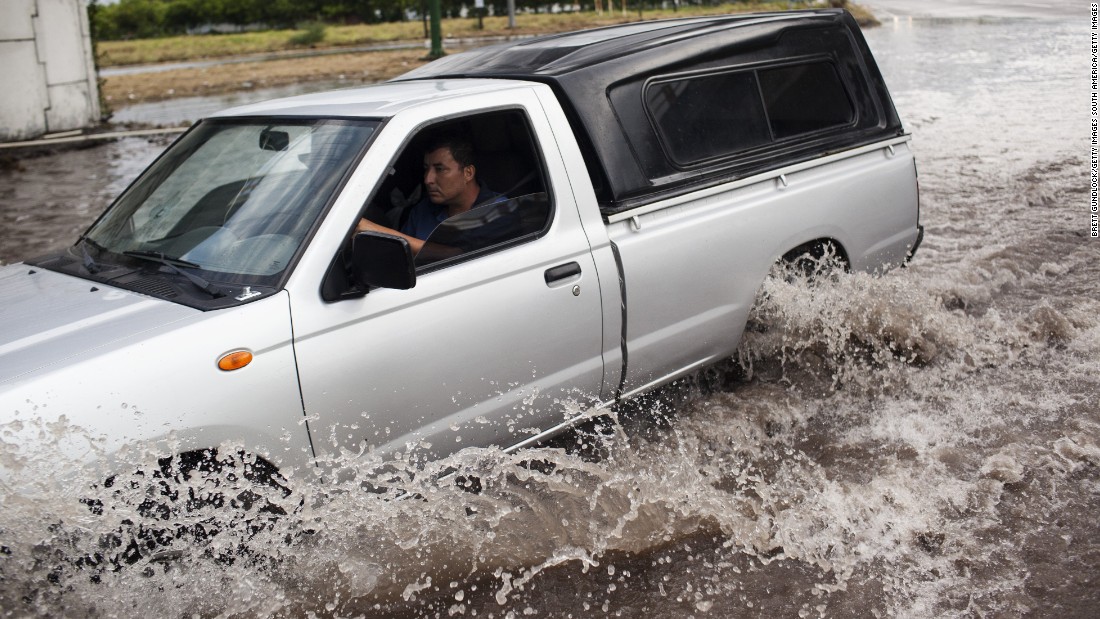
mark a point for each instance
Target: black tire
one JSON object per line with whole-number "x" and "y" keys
{"x": 182, "y": 504}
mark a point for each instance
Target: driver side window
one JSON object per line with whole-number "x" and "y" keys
{"x": 458, "y": 190}
{"x": 505, "y": 203}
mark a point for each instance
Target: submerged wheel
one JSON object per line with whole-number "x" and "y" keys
{"x": 814, "y": 260}
{"x": 182, "y": 504}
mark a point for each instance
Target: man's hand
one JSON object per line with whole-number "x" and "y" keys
{"x": 366, "y": 225}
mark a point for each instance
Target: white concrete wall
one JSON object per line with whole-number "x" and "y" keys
{"x": 47, "y": 75}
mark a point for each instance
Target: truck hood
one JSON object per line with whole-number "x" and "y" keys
{"x": 47, "y": 317}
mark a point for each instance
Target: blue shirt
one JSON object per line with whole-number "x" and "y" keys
{"x": 425, "y": 216}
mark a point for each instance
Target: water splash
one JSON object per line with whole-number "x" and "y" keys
{"x": 921, "y": 444}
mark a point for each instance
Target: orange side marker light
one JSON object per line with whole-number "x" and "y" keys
{"x": 234, "y": 360}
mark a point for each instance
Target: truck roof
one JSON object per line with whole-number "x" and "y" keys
{"x": 373, "y": 101}
{"x": 601, "y": 77}
{"x": 558, "y": 54}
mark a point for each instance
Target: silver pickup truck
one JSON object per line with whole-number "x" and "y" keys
{"x": 636, "y": 184}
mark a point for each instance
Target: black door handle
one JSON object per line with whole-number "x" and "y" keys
{"x": 561, "y": 272}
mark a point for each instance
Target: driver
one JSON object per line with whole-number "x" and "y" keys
{"x": 452, "y": 188}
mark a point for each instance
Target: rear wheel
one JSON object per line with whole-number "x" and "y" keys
{"x": 814, "y": 260}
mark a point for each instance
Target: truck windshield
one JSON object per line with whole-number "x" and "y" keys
{"x": 233, "y": 198}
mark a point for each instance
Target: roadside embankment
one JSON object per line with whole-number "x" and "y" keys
{"x": 350, "y": 69}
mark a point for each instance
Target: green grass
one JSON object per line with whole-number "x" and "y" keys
{"x": 310, "y": 35}
{"x": 182, "y": 48}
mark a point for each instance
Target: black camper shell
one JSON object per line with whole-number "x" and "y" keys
{"x": 667, "y": 107}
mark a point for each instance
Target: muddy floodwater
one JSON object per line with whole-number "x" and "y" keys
{"x": 921, "y": 444}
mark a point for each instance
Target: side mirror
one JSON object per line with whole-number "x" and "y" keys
{"x": 382, "y": 260}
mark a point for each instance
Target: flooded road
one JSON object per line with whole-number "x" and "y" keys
{"x": 922, "y": 444}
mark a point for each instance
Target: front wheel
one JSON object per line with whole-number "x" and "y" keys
{"x": 197, "y": 503}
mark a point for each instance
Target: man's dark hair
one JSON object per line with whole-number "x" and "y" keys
{"x": 460, "y": 146}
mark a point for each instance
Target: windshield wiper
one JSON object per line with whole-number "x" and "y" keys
{"x": 90, "y": 265}
{"x": 161, "y": 258}
{"x": 173, "y": 265}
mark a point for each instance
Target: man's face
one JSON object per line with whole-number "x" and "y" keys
{"x": 444, "y": 178}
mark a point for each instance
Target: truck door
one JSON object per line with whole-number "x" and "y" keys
{"x": 489, "y": 347}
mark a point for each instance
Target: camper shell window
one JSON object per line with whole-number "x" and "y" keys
{"x": 701, "y": 118}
